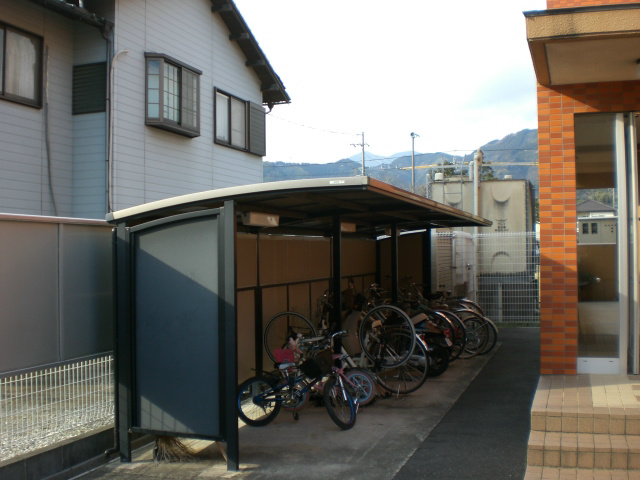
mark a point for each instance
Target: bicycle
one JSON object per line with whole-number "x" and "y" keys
{"x": 261, "y": 397}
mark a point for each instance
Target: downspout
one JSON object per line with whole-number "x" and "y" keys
{"x": 106, "y": 34}
{"x": 47, "y": 142}
{"x": 107, "y": 29}
{"x": 477, "y": 163}
{"x": 110, "y": 135}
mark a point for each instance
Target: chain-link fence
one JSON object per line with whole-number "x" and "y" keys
{"x": 42, "y": 407}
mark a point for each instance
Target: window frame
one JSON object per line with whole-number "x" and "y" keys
{"x": 230, "y": 142}
{"x": 38, "y": 81}
{"x": 165, "y": 123}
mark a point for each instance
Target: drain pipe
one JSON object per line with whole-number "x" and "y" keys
{"x": 110, "y": 139}
{"x": 477, "y": 163}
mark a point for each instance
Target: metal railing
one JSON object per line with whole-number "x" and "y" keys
{"x": 39, "y": 408}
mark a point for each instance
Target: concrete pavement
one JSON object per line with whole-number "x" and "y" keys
{"x": 471, "y": 422}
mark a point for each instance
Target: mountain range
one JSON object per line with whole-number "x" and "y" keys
{"x": 515, "y": 148}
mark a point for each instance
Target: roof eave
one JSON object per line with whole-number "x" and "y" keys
{"x": 273, "y": 90}
{"x": 72, "y": 11}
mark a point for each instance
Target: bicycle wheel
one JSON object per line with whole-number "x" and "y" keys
{"x": 471, "y": 305}
{"x": 387, "y": 336}
{"x": 438, "y": 360}
{"x": 296, "y": 399}
{"x": 362, "y": 384}
{"x": 409, "y": 376}
{"x": 258, "y": 403}
{"x": 493, "y": 336}
{"x": 460, "y": 337}
{"x": 339, "y": 403}
{"x": 477, "y": 333}
{"x": 283, "y": 326}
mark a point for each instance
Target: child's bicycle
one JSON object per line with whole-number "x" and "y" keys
{"x": 261, "y": 397}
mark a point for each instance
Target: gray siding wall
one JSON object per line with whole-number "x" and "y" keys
{"x": 24, "y": 164}
{"x": 89, "y": 135}
{"x": 151, "y": 164}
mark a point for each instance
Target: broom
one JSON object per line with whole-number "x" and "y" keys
{"x": 171, "y": 449}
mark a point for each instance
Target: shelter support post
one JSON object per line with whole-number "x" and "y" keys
{"x": 394, "y": 263}
{"x": 227, "y": 260}
{"x": 123, "y": 342}
{"x": 336, "y": 283}
{"x": 426, "y": 262}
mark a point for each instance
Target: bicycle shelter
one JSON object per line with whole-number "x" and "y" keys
{"x": 191, "y": 273}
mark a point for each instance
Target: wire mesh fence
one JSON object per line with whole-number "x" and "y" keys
{"x": 500, "y": 269}
{"x": 507, "y": 276}
{"x": 43, "y": 407}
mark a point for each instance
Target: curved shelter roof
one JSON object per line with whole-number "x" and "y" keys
{"x": 309, "y": 207}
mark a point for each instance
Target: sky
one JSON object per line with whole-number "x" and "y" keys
{"x": 458, "y": 74}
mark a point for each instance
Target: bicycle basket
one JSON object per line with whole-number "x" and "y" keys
{"x": 318, "y": 365}
{"x": 284, "y": 355}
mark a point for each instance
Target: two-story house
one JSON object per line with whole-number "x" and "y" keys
{"x": 110, "y": 104}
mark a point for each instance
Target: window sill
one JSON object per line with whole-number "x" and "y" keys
{"x": 174, "y": 129}
{"x": 245, "y": 150}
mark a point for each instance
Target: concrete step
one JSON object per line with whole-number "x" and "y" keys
{"x": 614, "y": 421}
{"x": 584, "y": 450}
{"x": 548, "y": 473}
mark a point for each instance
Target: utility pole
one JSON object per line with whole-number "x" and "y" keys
{"x": 413, "y": 163}
{"x": 362, "y": 144}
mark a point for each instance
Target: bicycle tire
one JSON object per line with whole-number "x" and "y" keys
{"x": 382, "y": 336}
{"x": 438, "y": 360}
{"x": 363, "y": 385}
{"x": 460, "y": 334}
{"x": 258, "y": 403}
{"x": 281, "y": 326}
{"x": 477, "y": 333}
{"x": 493, "y": 336}
{"x": 339, "y": 404}
{"x": 409, "y": 376}
{"x": 471, "y": 305}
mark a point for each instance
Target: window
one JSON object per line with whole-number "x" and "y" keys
{"x": 594, "y": 228}
{"x": 20, "y": 66}
{"x": 502, "y": 226}
{"x": 239, "y": 124}
{"x": 585, "y": 228}
{"x": 173, "y": 95}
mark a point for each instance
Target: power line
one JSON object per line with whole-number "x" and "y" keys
{"x": 312, "y": 128}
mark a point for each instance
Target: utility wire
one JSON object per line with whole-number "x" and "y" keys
{"x": 310, "y": 127}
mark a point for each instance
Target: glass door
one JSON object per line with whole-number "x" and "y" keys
{"x": 603, "y": 242}
{"x": 633, "y": 225}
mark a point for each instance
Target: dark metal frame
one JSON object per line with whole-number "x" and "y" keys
{"x": 227, "y": 343}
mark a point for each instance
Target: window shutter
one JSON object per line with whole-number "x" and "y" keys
{"x": 257, "y": 130}
{"x": 89, "y": 88}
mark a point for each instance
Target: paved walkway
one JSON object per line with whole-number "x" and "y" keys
{"x": 470, "y": 423}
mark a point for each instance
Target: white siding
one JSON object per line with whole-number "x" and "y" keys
{"x": 24, "y": 177}
{"x": 89, "y": 168}
{"x": 151, "y": 164}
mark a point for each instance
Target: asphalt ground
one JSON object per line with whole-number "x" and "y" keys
{"x": 485, "y": 434}
{"x": 472, "y": 422}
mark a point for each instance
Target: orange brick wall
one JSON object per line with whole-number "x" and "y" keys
{"x": 558, "y": 241}
{"x": 584, "y": 3}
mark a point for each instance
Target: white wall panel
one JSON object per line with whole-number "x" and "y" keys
{"x": 169, "y": 163}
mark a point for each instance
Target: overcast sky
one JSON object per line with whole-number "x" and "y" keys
{"x": 459, "y": 74}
